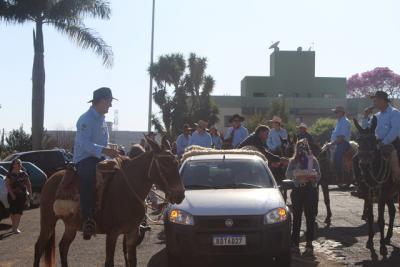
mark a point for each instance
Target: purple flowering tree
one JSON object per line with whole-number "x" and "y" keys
{"x": 367, "y": 83}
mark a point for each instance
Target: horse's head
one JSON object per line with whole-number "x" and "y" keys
{"x": 288, "y": 145}
{"x": 164, "y": 171}
{"x": 367, "y": 142}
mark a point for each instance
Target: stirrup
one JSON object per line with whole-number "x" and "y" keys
{"x": 89, "y": 229}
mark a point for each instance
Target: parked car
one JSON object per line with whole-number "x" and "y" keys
{"x": 36, "y": 175}
{"x": 49, "y": 161}
{"x": 232, "y": 208}
{"x": 3, "y": 197}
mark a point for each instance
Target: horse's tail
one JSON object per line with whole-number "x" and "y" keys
{"x": 50, "y": 251}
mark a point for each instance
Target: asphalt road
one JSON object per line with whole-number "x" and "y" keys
{"x": 341, "y": 244}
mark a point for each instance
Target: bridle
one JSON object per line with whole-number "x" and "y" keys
{"x": 154, "y": 162}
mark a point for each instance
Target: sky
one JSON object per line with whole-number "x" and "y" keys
{"x": 348, "y": 37}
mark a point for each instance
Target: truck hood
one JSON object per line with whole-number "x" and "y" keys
{"x": 231, "y": 201}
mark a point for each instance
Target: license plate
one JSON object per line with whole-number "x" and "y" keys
{"x": 229, "y": 240}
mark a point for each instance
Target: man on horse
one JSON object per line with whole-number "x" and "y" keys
{"x": 340, "y": 138}
{"x": 90, "y": 148}
{"x": 304, "y": 134}
{"x": 387, "y": 130}
{"x": 276, "y": 136}
{"x": 236, "y": 133}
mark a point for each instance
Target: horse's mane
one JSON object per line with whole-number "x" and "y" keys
{"x": 198, "y": 150}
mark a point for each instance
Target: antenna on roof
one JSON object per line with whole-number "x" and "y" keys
{"x": 275, "y": 46}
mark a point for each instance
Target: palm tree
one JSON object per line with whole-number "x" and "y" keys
{"x": 67, "y": 17}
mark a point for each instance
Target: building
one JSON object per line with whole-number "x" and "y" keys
{"x": 292, "y": 80}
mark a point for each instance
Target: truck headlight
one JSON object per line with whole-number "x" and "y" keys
{"x": 276, "y": 216}
{"x": 181, "y": 217}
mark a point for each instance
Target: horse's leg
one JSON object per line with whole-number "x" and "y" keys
{"x": 381, "y": 224}
{"x": 111, "y": 240}
{"x": 364, "y": 216}
{"x": 370, "y": 220}
{"x": 125, "y": 250}
{"x": 392, "y": 215}
{"x": 68, "y": 237}
{"x": 327, "y": 201}
{"x": 131, "y": 243}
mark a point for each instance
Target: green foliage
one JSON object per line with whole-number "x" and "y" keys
{"x": 18, "y": 140}
{"x": 279, "y": 108}
{"x": 253, "y": 121}
{"x": 182, "y": 92}
{"x": 322, "y": 129}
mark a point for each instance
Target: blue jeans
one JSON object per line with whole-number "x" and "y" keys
{"x": 87, "y": 185}
{"x": 340, "y": 151}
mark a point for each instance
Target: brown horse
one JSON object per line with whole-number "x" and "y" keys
{"x": 123, "y": 206}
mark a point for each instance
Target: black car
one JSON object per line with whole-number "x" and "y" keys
{"x": 49, "y": 161}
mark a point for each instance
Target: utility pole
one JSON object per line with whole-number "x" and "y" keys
{"x": 151, "y": 64}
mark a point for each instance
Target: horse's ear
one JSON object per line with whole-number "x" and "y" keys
{"x": 153, "y": 145}
{"x": 374, "y": 123}
{"x": 165, "y": 144}
{"x": 358, "y": 126}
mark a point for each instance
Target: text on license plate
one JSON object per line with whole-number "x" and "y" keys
{"x": 229, "y": 240}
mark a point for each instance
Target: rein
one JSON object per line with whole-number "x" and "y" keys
{"x": 383, "y": 171}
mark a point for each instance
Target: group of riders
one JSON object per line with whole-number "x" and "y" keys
{"x": 92, "y": 139}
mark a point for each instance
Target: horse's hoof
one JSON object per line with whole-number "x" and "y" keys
{"x": 383, "y": 251}
{"x": 370, "y": 245}
{"x": 327, "y": 220}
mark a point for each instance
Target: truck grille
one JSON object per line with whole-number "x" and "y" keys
{"x": 218, "y": 222}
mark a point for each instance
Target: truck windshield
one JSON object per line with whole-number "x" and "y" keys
{"x": 221, "y": 174}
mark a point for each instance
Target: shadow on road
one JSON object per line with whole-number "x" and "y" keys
{"x": 5, "y": 227}
{"x": 392, "y": 261}
{"x": 344, "y": 235}
{"x": 159, "y": 259}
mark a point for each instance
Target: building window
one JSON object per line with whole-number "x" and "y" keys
{"x": 309, "y": 95}
{"x": 296, "y": 95}
{"x": 248, "y": 110}
{"x": 259, "y": 95}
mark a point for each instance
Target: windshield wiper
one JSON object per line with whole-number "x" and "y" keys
{"x": 240, "y": 185}
{"x": 200, "y": 186}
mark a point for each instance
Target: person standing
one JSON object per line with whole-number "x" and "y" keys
{"x": 91, "y": 147}
{"x": 183, "y": 140}
{"x": 304, "y": 170}
{"x": 340, "y": 138}
{"x": 236, "y": 133}
{"x": 200, "y": 137}
{"x": 276, "y": 136}
{"x": 216, "y": 138}
{"x": 304, "y": 134}
{"x": 18, "y": 186}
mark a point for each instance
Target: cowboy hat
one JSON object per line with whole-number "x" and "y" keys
{"x": 236, "y": 117}
{"x": 302, "y": 125}
{"x": 101, "y": 93}
{"x": 338, "y": 109}
{"x": 382, "y": 95}
{"x": 276, "y": 119}
{"x": 201, "y": 124}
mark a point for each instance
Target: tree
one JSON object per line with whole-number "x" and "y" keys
{"x": 200, "y": 86}
{"x": 182, "y": 92}
{"x": 19, "y": 140}
{"x": 367, "y": 83}
{"x": 67, "y": 17}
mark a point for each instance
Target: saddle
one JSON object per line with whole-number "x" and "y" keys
{"x": 68, "y": 195}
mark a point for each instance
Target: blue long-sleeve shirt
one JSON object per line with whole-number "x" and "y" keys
{"x": 274, "y": 138}
{"x": 388, "y": 127}
{"x": 216, "y": 141}
{"x": 91, "y": 136}
{"x": 240, "y": 134}
{"x": 342, "y": 128}
{"x": 182, "y": 142}
{"x": 203, "y": 139}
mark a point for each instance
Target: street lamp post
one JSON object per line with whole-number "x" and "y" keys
{"x": 151, "y": 64}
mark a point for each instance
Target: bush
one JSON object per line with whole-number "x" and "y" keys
{"x": 323, "y": 127}
{"x": 19, "y": 140}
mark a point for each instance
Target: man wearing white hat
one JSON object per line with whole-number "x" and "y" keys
{"x": 276, "y": 135}
{"x": 303, "y": 133}
{"x": 340, "y": 138}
